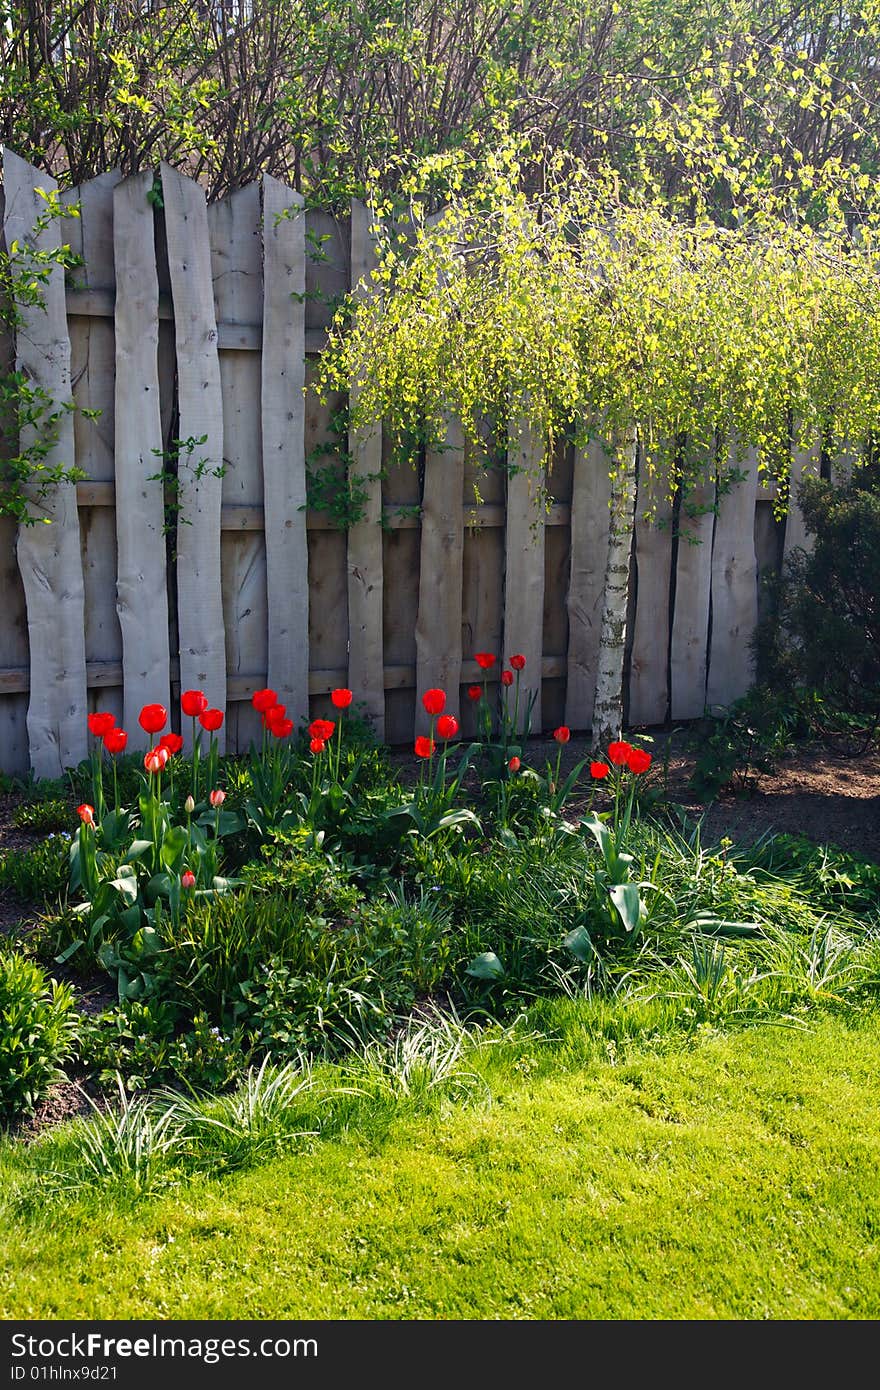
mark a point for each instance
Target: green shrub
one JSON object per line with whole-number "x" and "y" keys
{"x": 38, "y": 874}
{"x": 145, "y": 1042}
{"x": 823, "y": 631}
{"x": 37, "y": 1032}
{"x": 51, "y": 813}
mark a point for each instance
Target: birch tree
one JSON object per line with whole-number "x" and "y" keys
{"x": 613, "y": 317}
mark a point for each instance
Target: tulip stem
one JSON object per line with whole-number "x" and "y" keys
{"x": 195, "y": 761}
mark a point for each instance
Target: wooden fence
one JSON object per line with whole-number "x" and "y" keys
{"x": 193, "y": 322}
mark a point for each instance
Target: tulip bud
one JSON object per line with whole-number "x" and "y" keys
{"x": 189, "y": 805}
{"x": 188, "y": 880}
{"x": 217, "y": 797}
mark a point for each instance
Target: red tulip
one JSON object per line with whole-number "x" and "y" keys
{"x": 341, "y": 698}
{"x": 86, "y": 814}
{"x": 618, "y": 752}
{"x": 211, "y": 719}
{"x": 153, "y": 718}
{"x": 562, "y": 734}
{"x": 271, "y": 716}
{"x": 514, "y": 765}
{"x": 518, "y": 662}
{"x": 318, "y": 745}
{"x": 173, "y": 742}
{"x": 156, "y": 759}
{"x": 263, "y": 700}
{"x": 485, "y": 660}
{"x": 281, "y": 728}
{"x": 447, "y": 726}
{"x": 434, "y": 700}
{"x": 638, "y": 760}
{"x": 193, "y": 703}
{"x": 322, "y": 728}
{"x": 100, "y": 723}
{"x": 216, "y": 797}
{"x": 424, "y": 747}
{"x": 115, "y": 740}
{"x": 475, "y": 692}
{"x": 598, "y": 770}
{"x": 507, "y": 678}
{"x": 188, "y": 879}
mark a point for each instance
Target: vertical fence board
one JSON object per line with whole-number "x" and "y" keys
{"x": 13, "y": 617}
{"x": 690, "y": 620}
{"x": 141, "y": 586}
{"x": 93, "y": 369}
{"x": 284, "y": 469}
{"x": 649, "y": 663}
{"x": 401, "y": 494}
{"x": 590, "y": 524}
{"x": 734, "y": 588}
{"x": 805, "y": 463}
{"x": 199, "y": 595}
{"x": 365, "y": 580}
{"x": 482, "y": 614}
{"x": 237, "y": 274}
{"x": 438, "y": 625}
{"x": 524, "y": 563}
{"x": 49, "y": 556}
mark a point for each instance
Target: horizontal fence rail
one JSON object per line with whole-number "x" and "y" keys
{"x": 191, "y": 331}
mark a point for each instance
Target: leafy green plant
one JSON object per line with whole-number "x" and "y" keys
{"x": 733, "y": 746}
{"x": 136, "y": 871}
{"x": 51, "y": 814}
{"x": 133, "y": 1145}
{"x": 424, "y": 1060}
{"x": 38, "y": 874}
{"x": 252, "y": 1123}
{"x": 146, "y": 1043}
{"x": 37, "y": 1033}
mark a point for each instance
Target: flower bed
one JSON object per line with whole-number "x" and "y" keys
{"x": 300, "y": 902}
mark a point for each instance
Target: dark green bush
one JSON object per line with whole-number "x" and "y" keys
{"x": 823, "y": 631}
{"x": 37, "y": 1032}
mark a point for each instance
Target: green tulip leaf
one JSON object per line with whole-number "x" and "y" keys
{"x": 486, "y": 966}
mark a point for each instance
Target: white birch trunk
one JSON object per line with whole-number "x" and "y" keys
{"x": 608, "y": 705}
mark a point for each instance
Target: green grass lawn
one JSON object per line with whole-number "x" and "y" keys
{"x": 735, "y": 1177}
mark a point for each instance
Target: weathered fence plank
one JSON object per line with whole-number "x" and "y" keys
{"x": 141, "y": 585}
{"x": 734, "y": 588}
{"x": 93, "y": 371}
{"x": 524, "y": 563}
{"x": 284, "y": 469}
{"x": 690, "y": 621}
{"x": 200, "y": 457}
{"x": 649, "y": 663}
{"x": 365, "y": 577}
{"x": 401, "y": 489}
{"x": 49, "y": 557}
{"x": 590, "y": 525}
{"x": 438, "y": 625}
{"x": 805, "y": 463}
{"x": 13, "y": 617}
{"x": 237, "y": 272}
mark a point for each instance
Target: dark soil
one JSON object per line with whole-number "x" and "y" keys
{"x": 827, "y": 793}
